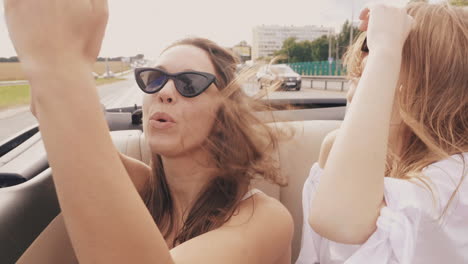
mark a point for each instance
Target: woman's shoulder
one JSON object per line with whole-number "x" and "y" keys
{"x": 448, "y": 174}
{"x": 265, "y": 225}
{"x": 419, "y": 212}
{"x": 438, "y": 181}
{"x": 259, "y": 210}
{"x": 454, "y": 166}
{"x": 259, "y": 231}
{"x": 259, "y": 205}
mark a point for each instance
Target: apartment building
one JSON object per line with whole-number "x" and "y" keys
{"x": 268, "y": 39}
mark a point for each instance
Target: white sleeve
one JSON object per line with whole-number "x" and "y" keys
{"x": 409, "y": 229}
{"x": 310, "y": 245}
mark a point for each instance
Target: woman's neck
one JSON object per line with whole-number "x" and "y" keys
{"x": 186, "y": 176}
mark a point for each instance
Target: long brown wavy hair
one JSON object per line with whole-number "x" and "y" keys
{"x": 239, "y": 144}
{"x": 433, "y": 99}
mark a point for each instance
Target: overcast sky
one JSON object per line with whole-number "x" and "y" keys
{"x": 147, "y": 26}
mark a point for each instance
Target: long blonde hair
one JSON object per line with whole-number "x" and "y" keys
{"x": 433, "y": 100}
{"x": 353, "y": 58}
{"x": 434, "y": 97}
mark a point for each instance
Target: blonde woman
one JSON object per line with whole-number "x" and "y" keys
{"x": 392, "y": 188}
{"x": 198, "y": 205}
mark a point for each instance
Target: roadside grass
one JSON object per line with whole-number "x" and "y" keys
{"x": 10, "y": 71}
{"x": 102, "y": 81}
{"x": 16, "y": 95}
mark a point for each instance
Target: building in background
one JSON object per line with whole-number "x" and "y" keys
{"x": 268, "y": 39}
{"x": 243, "y": 51}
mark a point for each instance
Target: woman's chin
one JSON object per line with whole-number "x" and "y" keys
{"x": 165, "y": 150}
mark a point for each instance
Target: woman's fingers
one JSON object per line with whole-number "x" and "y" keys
{"x": 364, "y": 14}
{"x": 364, "y": 17}
{"x": 364, "y": 25}
{"x": 101, "y": 9}
{"x": 74, "y": 30}
{"x": 388, "y": 26}
{"x": 8, "y": 5}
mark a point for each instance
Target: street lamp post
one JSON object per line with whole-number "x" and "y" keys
{"x": 351, "y": 32}
{"x": 329, "y": 43}
{"x": 329, "y": 51}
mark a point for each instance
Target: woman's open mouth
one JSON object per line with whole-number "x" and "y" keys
{"x": 161, "y": 120}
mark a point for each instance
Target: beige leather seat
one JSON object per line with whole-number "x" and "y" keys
{"x": 296, "y": 157}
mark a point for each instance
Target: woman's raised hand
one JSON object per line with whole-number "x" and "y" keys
{"x": 56, "y": 33}
{"x": 387, "y": 26}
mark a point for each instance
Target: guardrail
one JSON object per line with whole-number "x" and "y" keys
{"x": 316, "y": 68}
{"x": 326, "y": 79}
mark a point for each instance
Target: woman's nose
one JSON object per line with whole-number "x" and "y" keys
{"x": 167, "y": 94}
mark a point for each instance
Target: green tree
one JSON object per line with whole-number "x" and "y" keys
{"x": 319, "y": 48}
{"x": 302, "y": 51}
{"x": 11, "y": 59}
{"x": 283, "y": 54}
{"x": 293, "y": 51}
{"x": 343, "y": 38}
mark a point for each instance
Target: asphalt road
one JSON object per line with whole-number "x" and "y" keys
{"x": 119, "y": 94}
{"x": 127, "y": 93}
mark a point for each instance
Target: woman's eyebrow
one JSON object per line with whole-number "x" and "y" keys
{"x": 160, "y": 67}
{"x": 165, "y": 69}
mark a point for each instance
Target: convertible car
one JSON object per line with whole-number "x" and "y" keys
{"x": 28, "y": 200}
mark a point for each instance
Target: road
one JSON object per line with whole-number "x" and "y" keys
{"x": 122, "y": 93}
{"x": 127, "y": 93}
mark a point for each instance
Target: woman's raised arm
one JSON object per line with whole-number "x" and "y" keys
{"x": 57, "y": 43}
{"x": 350, "y": 194}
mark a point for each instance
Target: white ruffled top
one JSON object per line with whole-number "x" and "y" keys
{"x": 410, "y": 228}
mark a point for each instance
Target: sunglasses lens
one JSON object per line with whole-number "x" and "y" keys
{"x": 189, "y": 84}
{"x": 152, "y": 80}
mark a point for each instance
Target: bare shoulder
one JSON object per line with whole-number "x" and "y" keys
{"x": 263, "y": 206}
{"x": 138, "y": 171}
{"x": 266, "y": 223}
{"x": 259, "y": 232}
